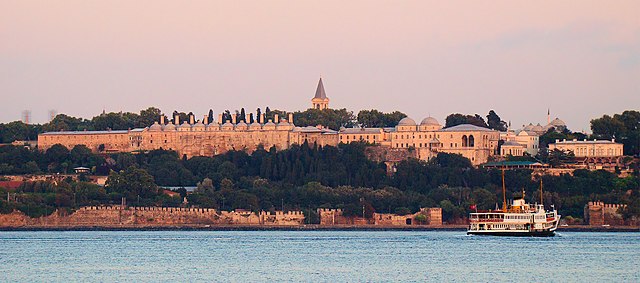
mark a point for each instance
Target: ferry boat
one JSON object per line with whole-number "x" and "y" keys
{"x": 520, "y": 219}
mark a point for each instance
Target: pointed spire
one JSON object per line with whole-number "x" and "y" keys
{"x": 320, "y": 90}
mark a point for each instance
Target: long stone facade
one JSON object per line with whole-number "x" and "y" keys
{"x": 192, "y": 138}
{"x": 138, "y": 217}
{"x": 424, "y": 217}
{"x": 195, "y": 139}
{"x": 200, "y": 139}
{"x": 599, "y": 213}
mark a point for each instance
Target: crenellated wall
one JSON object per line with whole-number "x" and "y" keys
{"x": 335, "y": 217}
{"x": 599, "y": 213}
{"x": 118, "y": 216}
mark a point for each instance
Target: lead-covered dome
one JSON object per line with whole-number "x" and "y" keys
{"x": 557, "y": 122}
{"x": 406, "y": 121}
{"x": 429, "y": 121}
{"x": 155, "y": 127}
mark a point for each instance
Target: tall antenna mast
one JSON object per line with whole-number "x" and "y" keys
{"x": 541, "y": 203}
{"x": 504, "y": 193}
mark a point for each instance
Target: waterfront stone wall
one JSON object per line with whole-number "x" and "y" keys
{"x": 599, "y": 213}
{"x": 118, "y": 216}
{"x": 430, "y": 217}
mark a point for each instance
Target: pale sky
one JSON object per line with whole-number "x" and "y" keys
{"x": 581, "y": 59}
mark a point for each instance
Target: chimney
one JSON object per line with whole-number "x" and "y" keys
{"x": 177, "y": 120}
{"x": 291, "y": 118}
{"x": 162, "y": 120}
{"x": 261, "y": 118}
{"x": 275, "y": 119}
{"x": 205, "y": 119}
{"x": 247, "y": 118}
{"x": 220, "y": 118}
{"x": 191, "y": 120}
{"x": 233, "y": 119}
{"x": 557, "y": 140}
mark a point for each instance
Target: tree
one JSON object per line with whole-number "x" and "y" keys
{"x": 243, "y": 115}
{"x": 80, "y": 155}
{"x": 558, "y": 157}
{"x": 375, "y": 118}
{"x": 494, "y": 122}
{"x": 459, "y": 119}
{"x": 131, "y": 183}
{"x": 147, "y": 117}
{"x": 63, "y": 122}
{"x": 114, "y": 121}
{"x": 210, "y": 117}
{"x": 57, "y": 154}
{"x": 625, "y": 128}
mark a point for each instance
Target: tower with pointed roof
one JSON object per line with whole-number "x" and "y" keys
{"x": 320, "y": 100}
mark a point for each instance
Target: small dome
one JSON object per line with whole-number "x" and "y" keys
{"x": 213, "y": 127}
{"x": 430, "y": 121}
{"x": 170, "y": 127}
{"x": 528, "y": 127}
{"x": 511, "y": 143}
{"x": 283, "y": 122}
{"x": 199, "y": 126}
{"x": 241, "y": 126}
{"x": 269, "y": 125}
{"x": 255, "y": 126}
{"x": 537, "y": 128}
{"x": 406, "y": 121}
{"x": 155, "y": 127}
{"x": 557, "y": 122}
{"x": 227, "y": 126}
{"x": 185, "y": 125}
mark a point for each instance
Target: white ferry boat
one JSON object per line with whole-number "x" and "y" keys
{"x": 520, "y": 219}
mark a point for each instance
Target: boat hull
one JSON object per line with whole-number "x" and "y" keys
{"x": 546, "y": 233}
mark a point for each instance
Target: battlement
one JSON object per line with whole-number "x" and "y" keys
{"x": 596, "y": 204}
{"x": 144, "y": 216}
{"x": 599, "y": 213}
{"x": 426, "y": 216}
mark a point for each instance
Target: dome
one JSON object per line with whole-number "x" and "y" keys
{"x": 241, "y": 126}
{"x": 255, "y": 126}
{"x": 184, "y": 126}
{"x": 511, "y": 143}
{"x": 537, "y": 128}
{"x": 283, "y": 122}
{"x": 429, "y": 121}
{"x": 170, "y": 127}
{"x": 213, "y": 127}
{"x": 269, "y": 125}
{"x": 528, "y": 127}
{"x": 199, "y": 127}
{"x": 155, "y": 127}
{"x": 406, "y": 121}
{"x": 557, "y": 122}
{"x": 227, "y": 126}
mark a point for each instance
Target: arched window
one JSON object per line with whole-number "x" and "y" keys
{"x": 464, "y": 141}
{"x": 471, "y": 141}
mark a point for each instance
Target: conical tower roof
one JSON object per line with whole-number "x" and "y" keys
{"x": 320, "y": 91}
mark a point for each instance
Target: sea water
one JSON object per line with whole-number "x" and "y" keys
{"x": 315, "y": 256}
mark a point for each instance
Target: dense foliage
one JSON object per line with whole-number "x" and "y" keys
{"x": 625, "y": 128}
{"x": 302, "y": 177}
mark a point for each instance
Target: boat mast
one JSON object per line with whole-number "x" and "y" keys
{"x": 541, "y": 191}
{"x": 504, "y": 193}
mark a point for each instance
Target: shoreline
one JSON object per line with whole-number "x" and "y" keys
{"x": 575, "y": 228}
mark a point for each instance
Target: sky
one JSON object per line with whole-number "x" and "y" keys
{"x": 579, "y": 59}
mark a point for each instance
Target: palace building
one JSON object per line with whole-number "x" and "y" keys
{"x": 191, "y": 138}
{"x": 428, "y": 138}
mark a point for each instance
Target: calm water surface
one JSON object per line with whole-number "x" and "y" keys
{"x": 318, "y": 256}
